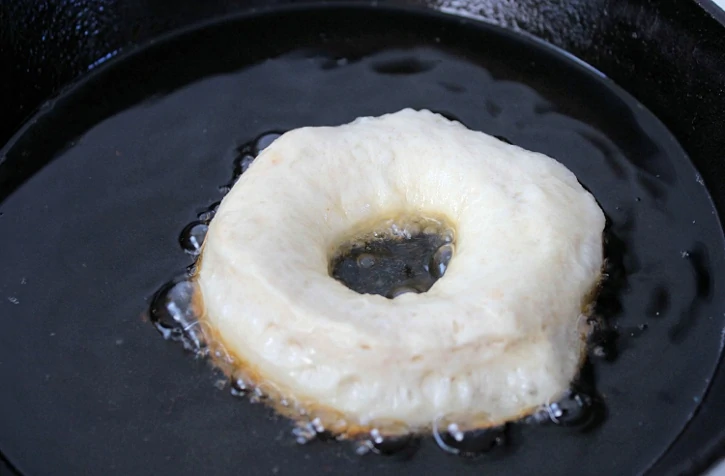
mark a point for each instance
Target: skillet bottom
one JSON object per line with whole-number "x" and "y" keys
{"x": 96, "y": 190}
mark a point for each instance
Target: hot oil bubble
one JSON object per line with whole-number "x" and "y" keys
{"x": 263, "y": 392}
{"x": 399, "y": 291}
{"x": 191, "y": 270}
{"x": 396, "y": 440}
{"x": 366, "y": 261}
{"x": 602, "y": 341}
{"x": 574, "y": 409}
{"x": 239, "y": 387}
{"x": 264, "y": 141}
{"x": 306, "y": 431}
{"x": 175, "y": 316}
{"x": 329, "y": 425}
{"x": 247, "y": 154}
{"x": 363, "y": 447}
{"x": 257, "y": 395}
{"x": 430, "y": 230}
{"x": 207, "y": 215}
{"x": 441, "y": 259}
{"x": 455, "y": 436}
{"x": 242, "y": 164}
{"x": 221, "y": 355}
{"x": 192, "y": 237}
{"x": 388, "y": 439}
{"x": 324, "y": 425}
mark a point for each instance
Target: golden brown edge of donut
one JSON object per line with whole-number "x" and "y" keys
{"x": 304, "y": 412}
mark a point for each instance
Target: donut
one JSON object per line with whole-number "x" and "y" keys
{"x": 496, "y": 337}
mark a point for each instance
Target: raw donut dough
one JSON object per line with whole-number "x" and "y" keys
{"x": 492, "y": 340}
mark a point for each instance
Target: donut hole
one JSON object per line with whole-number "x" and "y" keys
{"x": 397, "y": 256}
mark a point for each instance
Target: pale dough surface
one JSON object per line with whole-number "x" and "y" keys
{"x": 497, "y": 336}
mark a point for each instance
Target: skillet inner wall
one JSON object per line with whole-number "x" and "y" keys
{"x": 568, "y": 107}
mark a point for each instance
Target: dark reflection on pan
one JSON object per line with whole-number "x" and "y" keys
{"x": 452, "y": 87}
{"x": 403, "y": 66}
{"x": 700, "y": 268}
{"x": 659, "y": 302}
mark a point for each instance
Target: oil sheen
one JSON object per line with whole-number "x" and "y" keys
{"x": 123, "y": 185}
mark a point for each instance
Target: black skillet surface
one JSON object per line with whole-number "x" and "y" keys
{"x": 142, "y": 145}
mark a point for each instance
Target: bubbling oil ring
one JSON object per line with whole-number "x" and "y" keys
{"x": 175, "y": 313}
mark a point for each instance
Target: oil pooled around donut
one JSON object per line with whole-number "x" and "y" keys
{"x": 398, "y": 255}
{"x": 401, "y": 254}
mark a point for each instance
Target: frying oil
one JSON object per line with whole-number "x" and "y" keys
{"x": 394, "y": 256}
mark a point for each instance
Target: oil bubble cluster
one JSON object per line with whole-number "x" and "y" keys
{"x": 457, "y": 435}
{"x": 399, "y": 255}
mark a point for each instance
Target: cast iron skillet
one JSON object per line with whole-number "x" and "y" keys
{"x": 669, "y": 55}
